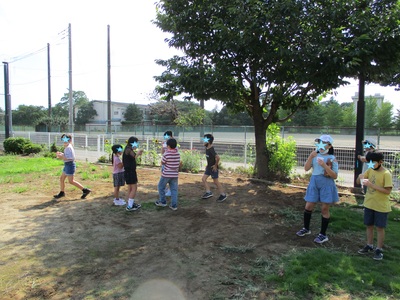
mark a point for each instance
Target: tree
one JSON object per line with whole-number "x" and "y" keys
{"x": 28, "y": 114}
{"x": 348, "y": 115}
{"x": 384, "y": 115}
{"x": 133, "y": 115}
{"x": 85, "y": 113}
{"x": 79, "y": 98}
{"x": 254, "y": 56}
{"x": 333, "y": 113}
{"x": 371, "y": 107}
{"x": 397, "y": 120}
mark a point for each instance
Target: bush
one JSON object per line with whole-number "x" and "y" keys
{"x": 191, "y": 160}
{"x": 55, "y": 149}
{"x": 32, "y": 148}
{"x": 15, "y": 145}
{"x": 282, "y": 154}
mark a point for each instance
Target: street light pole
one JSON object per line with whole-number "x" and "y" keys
{"x": 7, "y": 100}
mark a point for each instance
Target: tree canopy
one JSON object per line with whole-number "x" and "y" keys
{"x": 261, "y": 56}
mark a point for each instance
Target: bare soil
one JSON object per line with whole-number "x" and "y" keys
{"x": 91, "y": 249}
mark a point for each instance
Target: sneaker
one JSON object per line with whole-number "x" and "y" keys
{"x": 367, "y": 249}
{"x": 158, "y": 203}
{"x": 133, "y": 207}
{"x": 378, "y": 255}
{"x": 173, "y": 207}
{"x": 303, "y": 232}
{"x": 222, "y": 198}
{"x": 59, "y": 195}
{"x": 85, "y": 192}
{"x": 320, "y": 239}
{"x": 119, "y": 202}
{"x": 207, "y": 195}
{"x": 168, "y": 193}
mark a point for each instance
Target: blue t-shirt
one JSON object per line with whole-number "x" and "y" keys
{"x": 319, "y": 170}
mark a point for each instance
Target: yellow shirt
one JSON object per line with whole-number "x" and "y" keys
{"x": 374, "y": 199}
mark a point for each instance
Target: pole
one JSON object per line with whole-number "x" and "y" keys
{"x": 108, "y": 82}
{"x": 7, "y": 100}
{"x": 71, "y": 105}
{"x": 48, "y": 78}
{"x": 359, "y": 127}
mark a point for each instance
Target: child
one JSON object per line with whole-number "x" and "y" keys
{"x": 212, "y": 169}
{"x": 368, "y": 145}
{"x": 129, "y": 161}
{"x": 170, "y": 162}
{"x": 167, "y": 136}
{"x": 118, "y": 173}
{"x": 69, "y": 168}
{"x": 322, "y": 187}
{"x": 378, "y": 181}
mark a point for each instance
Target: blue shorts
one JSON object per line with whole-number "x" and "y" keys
{"x": 69, "y": 168}
{"x": 322, "y": 189}
{"x": 209, "y": 171}
{"x": 373, "y": 217}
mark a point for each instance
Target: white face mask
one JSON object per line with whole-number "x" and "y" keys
{"x": 324, "y": 151}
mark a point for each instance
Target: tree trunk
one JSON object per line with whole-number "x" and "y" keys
{"x": 262, "y": 158}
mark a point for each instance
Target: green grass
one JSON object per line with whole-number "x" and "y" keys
{"x": 12, "y": 165}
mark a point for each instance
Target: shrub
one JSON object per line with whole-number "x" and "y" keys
{"x": 32, "y": 148}
{"x": 191, "y": 160}
{"x": 54, "y": 148}
{"x": 282, "y": 154}
{"x": 15, "y": 145}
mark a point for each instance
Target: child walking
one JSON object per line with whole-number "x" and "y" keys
{"x": 129, "y": 160}
{"x": 212, "y": 169}
{"x": 368, "y": 145}
{"x": 322, "y": 187}
{"x": 167, "y": 136}
{"x": 69, "y": 168}
{"x": 170, "y": 162}
{"x": 378, "y": 181}
{"x": 118, "y": 173}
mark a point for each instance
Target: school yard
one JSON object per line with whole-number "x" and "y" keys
{"x": 90, "y": 249}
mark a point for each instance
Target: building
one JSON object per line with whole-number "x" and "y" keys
{"x": 117, "y": 113}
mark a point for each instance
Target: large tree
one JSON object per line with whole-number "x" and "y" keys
{"x": 79, "y": 98}
{"x": 28, "y": 114}
{"x": 257, "y": 56}
{"x": 133, "y": 114}
{"x": 86, "y": 113}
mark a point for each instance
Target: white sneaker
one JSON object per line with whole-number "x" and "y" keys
{"x": 119, "y": 202}
{"x": 168, "y": 193}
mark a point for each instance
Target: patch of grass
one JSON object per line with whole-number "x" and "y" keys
{"x": 20, "y": 190}
{"x": 12, "y": 164}
{"x": 11, "y": 179}
{"x": 291, "y": 215}
{"x": 238, "y": 249}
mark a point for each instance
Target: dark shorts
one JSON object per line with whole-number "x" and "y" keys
{"x": 69, "y": 168}
{"x": 209, "y": 171}
{"x": 119, "y": 179}
{"x": 372, "y": 217}
{"x": 130, "y": 177}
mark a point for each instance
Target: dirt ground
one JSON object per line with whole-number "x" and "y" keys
{"x": 90, "y": 249}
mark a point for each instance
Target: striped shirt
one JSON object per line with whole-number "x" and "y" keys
{"x": 171, "y": 160}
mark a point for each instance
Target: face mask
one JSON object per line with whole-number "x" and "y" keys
{"x": 324, "y": 151}
{"x": 377, "y": 167}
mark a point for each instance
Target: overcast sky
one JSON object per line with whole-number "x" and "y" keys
{"x": 27, "y": 26}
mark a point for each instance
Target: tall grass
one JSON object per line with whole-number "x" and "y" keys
{"x": 11, "y": 165}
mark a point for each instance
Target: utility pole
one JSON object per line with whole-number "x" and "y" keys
{"x": 359, "y": 127}
{"x": 7, "y": 100}
{"x": 48, "y": 78}
{"x": 71, "y": 110}
{"x": 108, "y": 82}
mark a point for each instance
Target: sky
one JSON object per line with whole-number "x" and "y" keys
{"x": 26, "y": 27}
